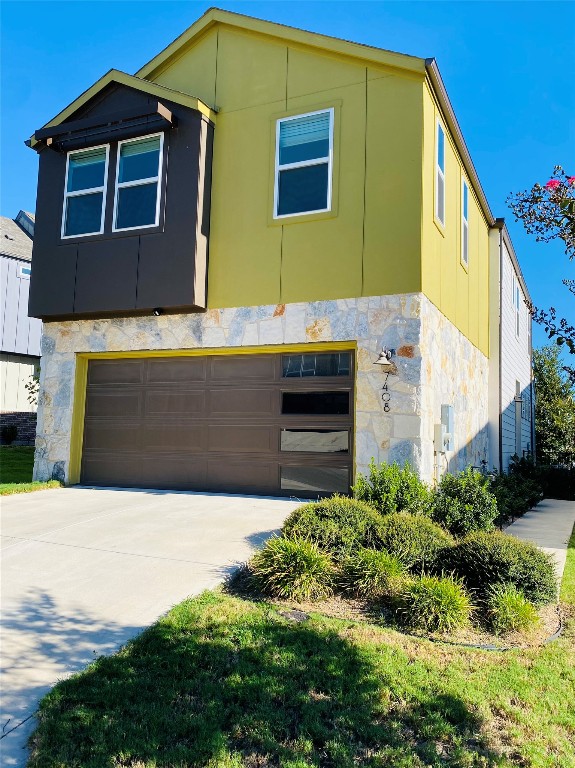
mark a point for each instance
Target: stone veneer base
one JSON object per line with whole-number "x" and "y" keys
{"x": 436, "y": 364}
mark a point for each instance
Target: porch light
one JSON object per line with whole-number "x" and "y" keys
{"x": 384, "y": 360}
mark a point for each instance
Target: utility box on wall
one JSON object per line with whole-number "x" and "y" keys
{"x": 447, "y": 422}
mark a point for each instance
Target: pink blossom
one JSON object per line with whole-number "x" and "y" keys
{"x": 571, "y": 180}
{"x": 553, "y": 184}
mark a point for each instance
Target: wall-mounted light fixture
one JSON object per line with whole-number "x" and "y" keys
{"x": 384, "y": 360}
{"x": 158, "y": 311}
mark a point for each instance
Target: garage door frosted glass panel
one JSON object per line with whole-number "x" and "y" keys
{"x": 315, "y": 403}
{"x": 115, "y": 371}
{"x": 176, "y": 370}
{"x": 318, "y": 441}
{"x": 175, "y": 403}
{"x": 243, "y": 367}
{"x": 173, "y": 437}
{"x": 241, "y": 439}
{"x": 246, "y": 402}
{"x": 113, "y": 405}
{"x": 112, "y": 437}
{"x": 315, "y": 479}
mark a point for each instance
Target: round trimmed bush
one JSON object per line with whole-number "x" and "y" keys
{"x": 373, "y": 573}
{"x": 509, "y": 610}
{"x": 293, "y": 568}
{"x": 414, "y": 539}
{"x": 338, "y": 525}
{"x": 434, "y": 604}
{"x": 484, "y": 559}
{"x": 391, "y": 488}
{"x": 463, "y": 503}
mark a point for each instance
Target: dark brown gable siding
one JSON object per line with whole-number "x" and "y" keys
{"x": 134, "y": 271}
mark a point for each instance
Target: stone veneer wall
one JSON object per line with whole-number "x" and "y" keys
{"x": 409, "y": 323}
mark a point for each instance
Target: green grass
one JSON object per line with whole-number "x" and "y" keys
{"x": 16, "y": 465}
{"x": 222, "y": 682}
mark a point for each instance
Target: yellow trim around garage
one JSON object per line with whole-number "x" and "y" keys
{"x": 81, "y": 380}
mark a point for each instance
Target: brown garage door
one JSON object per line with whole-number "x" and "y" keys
{"x": 267, "y": 424}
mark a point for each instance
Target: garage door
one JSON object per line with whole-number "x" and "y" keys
{"x": 276, "y": 424}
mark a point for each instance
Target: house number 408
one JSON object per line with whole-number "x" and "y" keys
{"x": 385, "y": 396}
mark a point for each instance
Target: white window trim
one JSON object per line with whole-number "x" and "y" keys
{"x": 304, "y": 164}
{"x": 85, "y": 192}
{"x": 139, "y": 183}
{"x": 464, "y": 224}
{"x": 439, "y": 172}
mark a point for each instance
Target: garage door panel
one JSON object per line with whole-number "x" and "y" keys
{"x": 247, "y": 402}
{"x": 229, "y": 473}
{"x": 177, "y": 369}
{"x": 112, "y": 437}
{"x": 116, "y": 371}
{"x": 243, "y": 368}
{"x": 242, "y": 438}
{"x": 166, "y": 403}
{"x": 173, "y": 437}
{"x": 309, "y": 479}
{"x": 175, "y": 471}
{"x": 112, "y": 470}
{"x": 113, "y": 404}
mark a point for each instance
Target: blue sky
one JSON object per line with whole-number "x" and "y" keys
{"x": 507, "y": 66}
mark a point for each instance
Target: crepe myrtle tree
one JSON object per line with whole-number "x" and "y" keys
{"x": 548, "y": 212}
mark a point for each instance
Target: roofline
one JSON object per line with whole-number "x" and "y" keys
{"x": 502, "y": 227}
{"x": 215, "y": 16}
{"x": 449, "y": 114}
{"x": 16, "y": 258}
{"x": 131, "y": 81}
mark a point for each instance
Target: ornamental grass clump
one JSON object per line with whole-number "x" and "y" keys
{"x": 391, "y": 488}
{"x": 509, "y": 610}
{"x": 373, "y": 573}
{"x": 338, "y": 525}
{"x": 294, "y": 569}
{"x": 484, "y": 559}
{"x": 434, "y": 604}
{"x": 463, "y": 503}
{"x": 413, "y": 539}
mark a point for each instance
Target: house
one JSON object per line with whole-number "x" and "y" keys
{"x": 244, "y": 229}
{"x": 19, "y": 334}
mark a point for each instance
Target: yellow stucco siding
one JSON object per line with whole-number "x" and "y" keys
{"x": 369, "y": 244}
{"x": 460, "y": 292}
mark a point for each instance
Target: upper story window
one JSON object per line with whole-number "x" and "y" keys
{"x": 303, "y": 165}
{"x": 465, "y": 223}
{"x": 516, "y": 304}
{"x": 25, "y": 272}
{"x": 137, "y": 193}
{"x": 84, "y": 193}
{"x": 440, "y": 174}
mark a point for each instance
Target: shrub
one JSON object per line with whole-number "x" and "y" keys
{"x": 292, "y": 568}
{"x": 338, "y": 525}
{"x": 414, "y": 539}
{"x": 9, "y": 433}
{"x": 515, "y": 495}
{"x": 509, "y": 610}
{"x": 372, "y": 573}
{"x": 434, "y": 604}
{"x": 484, "y": 559}
{"x": 463, "y": 503}
{"x": 390, "y": 488}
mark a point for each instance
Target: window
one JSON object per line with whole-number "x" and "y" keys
{"x": 25, "y": 272}
{"x": 137, "y": 194}
{"x": 315, "y": 440}
{"x": 84, "y": 193}
{"x": 516, "y": 303}
{"x": 465, "y": 224}
{"x": 440, "y": 175}
{"x": 303, "y": 166}
{"x": 315, "y": 403}
{"x": 321, "y": 364}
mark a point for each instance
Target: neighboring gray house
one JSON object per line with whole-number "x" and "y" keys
{"x": 512, "y": 402}
{"x": 19, "y": 334}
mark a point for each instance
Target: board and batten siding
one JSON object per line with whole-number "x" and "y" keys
{"x": 515, "y": 363}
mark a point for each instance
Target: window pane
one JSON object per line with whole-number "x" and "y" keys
{"x": 315, "y": 441}
{"x": 465, "y": 200}
{"x": 84, "y": 214}
{"x": 318, "y": 403}
{"x": 322, "y": 364}
{"x": 440, "y": 198}
{"x": 465, "y": 243}
{"x": 86, "y": 170}
{"x": 303, "y": 189}
{"x": 440, "y": 148}
{"x": 136, "y": 206}
{"x": 304, "y": 138}
{"x": 315, "y": 479}
{"x": 139, "y": 159}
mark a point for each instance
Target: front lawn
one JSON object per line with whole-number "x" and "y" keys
{"x": 222, "y": 682}
{"x": 16, "y": 465}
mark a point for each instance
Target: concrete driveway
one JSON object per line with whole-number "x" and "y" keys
{"x": 85, "y": 569}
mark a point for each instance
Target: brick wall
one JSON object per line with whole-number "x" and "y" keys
{"x": 26, "y": 424}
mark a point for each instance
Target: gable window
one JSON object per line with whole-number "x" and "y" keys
{"x": 84, "y": 193}
{"x": 440, "y": 175}
{"x": 137, "y": 193}
{"x": 516, "y": 304}
{"x": 303, "y": 164}
{"x": 465, "y": 224}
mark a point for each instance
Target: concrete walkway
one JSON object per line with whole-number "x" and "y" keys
{"x": 548, "y": 525}
{"x": 84, "y": 570}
